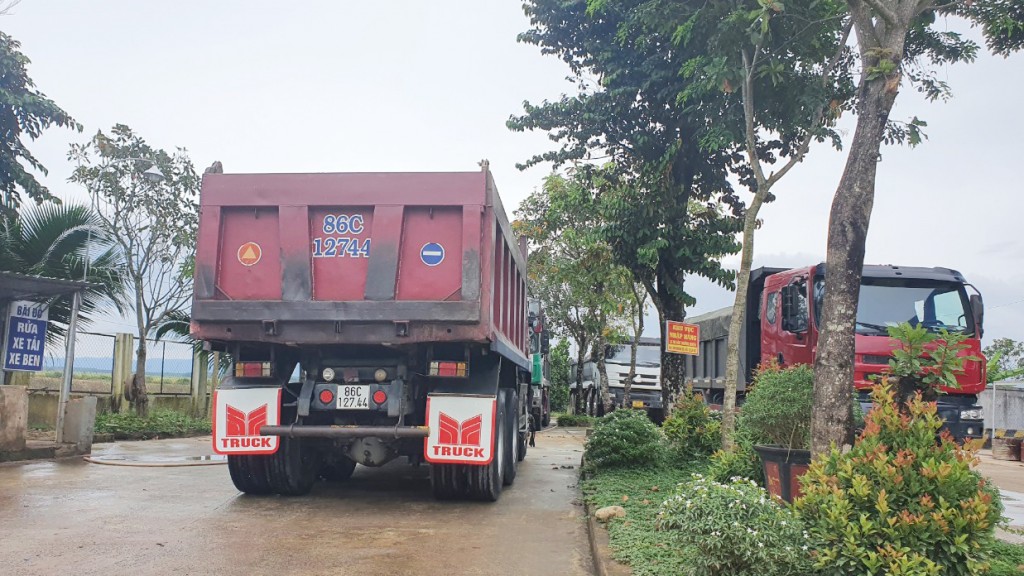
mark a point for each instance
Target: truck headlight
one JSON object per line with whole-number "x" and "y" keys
{"x": 328, "y": 374}
{"x": 971, "y": 414}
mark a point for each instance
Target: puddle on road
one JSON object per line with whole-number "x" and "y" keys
{"x": 156, "y": 461}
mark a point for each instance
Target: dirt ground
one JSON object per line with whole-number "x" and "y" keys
{"x": 83, "y": 518}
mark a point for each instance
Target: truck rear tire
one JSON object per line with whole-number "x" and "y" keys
{"x": 484, "y": 482}
{"x": 249, "y": 474}
{"x": 293, "y": 468}
{"x": 515, "y": 444}
{"x": 545, "y": 421}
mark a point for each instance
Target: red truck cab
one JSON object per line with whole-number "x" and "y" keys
{"x": 784, "y": 320}
{"x": 935, "y": 298}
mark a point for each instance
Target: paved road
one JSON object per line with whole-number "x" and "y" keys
{"x": 74, "y": 517}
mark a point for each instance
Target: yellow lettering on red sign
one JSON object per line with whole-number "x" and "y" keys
{"x": 682, "y": 338}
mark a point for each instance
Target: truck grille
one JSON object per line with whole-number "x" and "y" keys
{"x": 875, "y": 359}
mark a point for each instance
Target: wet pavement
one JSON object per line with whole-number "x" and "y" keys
{"x": 165, "y": 509}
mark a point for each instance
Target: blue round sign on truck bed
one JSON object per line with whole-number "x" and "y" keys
{"x": 432, "y": 254}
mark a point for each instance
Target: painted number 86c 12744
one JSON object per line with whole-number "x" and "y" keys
{"x": 342, "y": 246}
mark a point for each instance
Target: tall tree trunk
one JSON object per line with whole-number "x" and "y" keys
{"x": 139, "y": 398}
{"x": 673, "y": 366}
{"x": 638, "y": 330}
{"x": 602, "y": 371}
{"x": 581, "y": 354}
{"x": 847, "y": 234}
{"x": 739, "y": 309}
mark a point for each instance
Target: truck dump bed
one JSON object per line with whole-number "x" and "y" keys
{"x": 358, "y": 258}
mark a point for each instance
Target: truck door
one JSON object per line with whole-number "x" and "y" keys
{"x": 794, "y": 344}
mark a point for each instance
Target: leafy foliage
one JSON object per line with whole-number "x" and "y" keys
{"x": 693, "y": 429}
{"x": 1005, "y": 359}
{"x": 662, "y": 192}
{"x": 560, "y": 376}
{"x": 739, "y": 461}
{"x": 778, "y": 408}
{"x": 571, "y": 420}
{"x": 58, "y": 241}
{"x": 1007, "y": 559}
{"x": 899, "y": 502}
{"x": 624, "y": 438}
{"x": 735, "y": 528}
{"x": 926, "y": 359}
{"x": 153, "y": 224}
{"x": 158, "y": 424}
{"x": 24, "y": 112}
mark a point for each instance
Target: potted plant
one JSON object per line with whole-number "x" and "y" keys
{"x": 777, "y": 413}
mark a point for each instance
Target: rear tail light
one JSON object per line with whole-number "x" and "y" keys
{"x": 253, "y": 370}
{"x": 380, "y": 397}
{"x": 450, "y": 369}
{"x": 326, "y": 396}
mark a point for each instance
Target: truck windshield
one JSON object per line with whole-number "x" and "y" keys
{"x": 887, "y": 302}
{"x": 649, "y": 356}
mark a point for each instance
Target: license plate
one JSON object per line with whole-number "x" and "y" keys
{"x": 638, "y": 403}
{"x": 353, "y": 397}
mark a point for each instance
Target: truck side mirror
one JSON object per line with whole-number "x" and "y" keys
{"x": 978, "y": 310}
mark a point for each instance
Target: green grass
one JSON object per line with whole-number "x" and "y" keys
{"x": 1007, "y": 559}
{"x": 633, "y": 539}
{"x": 159, "y": 424}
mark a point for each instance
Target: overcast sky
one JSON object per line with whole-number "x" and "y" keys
{"x": 404, "y": 86}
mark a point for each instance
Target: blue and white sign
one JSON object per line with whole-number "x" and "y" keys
{"x": 26, "y": 336}
{"x": 432, "y": 253}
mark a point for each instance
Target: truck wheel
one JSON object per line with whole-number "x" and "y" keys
{"x": 515, "y": 442}
{"x": 293, "y": 467}
{"x": 485, "y": 482}
{"x": 446, "y": 481}
{"x": 249, "y": 474}
{"x": 545, "y": 421}
{"x": 337, "y": 468}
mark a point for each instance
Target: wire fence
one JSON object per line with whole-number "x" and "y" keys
{"x": 168, "y": 367}
{"x": 93, "y": 371}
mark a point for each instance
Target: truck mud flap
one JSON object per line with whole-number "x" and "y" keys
{"x": 462, "y": 429}
{"x": 238, "y": 415}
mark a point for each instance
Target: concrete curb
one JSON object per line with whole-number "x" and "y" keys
{"x": 595, "y": 551}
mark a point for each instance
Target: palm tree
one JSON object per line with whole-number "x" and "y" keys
{"x": 54, "y": 240}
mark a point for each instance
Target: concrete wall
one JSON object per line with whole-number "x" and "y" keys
{"x": 1009, "y": 413}
{"x": 13, "y": 412}
{"x": 42, "y": 407}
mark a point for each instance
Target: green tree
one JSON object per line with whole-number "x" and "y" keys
{"x": 663, "y": 220}
{"x": 62, "y": 241}
{"x": 24, "y": 112}
{"x": 774, "y": 77}
{"x": 1005, "y": 359}
{"x": 571, "y": 266}
{"x": 898, "y": 42}
{"x": 559, "y": 376}
{"x": 153, "y": 222}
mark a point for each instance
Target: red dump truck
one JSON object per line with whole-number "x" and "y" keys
{"x": 784, "y": 314}
{"x": 369, "y": 316}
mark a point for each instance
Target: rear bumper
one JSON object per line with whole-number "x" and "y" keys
{"x": 651, "y": 399}
{"x": 390, "y": 432}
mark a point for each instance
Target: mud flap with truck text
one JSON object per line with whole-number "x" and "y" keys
{"x": 238, "y": 415}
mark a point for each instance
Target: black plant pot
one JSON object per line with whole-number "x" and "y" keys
{"x": 783, "y": 468}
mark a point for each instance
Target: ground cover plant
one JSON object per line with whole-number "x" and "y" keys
{"x": 624, "y": 438}
{"x": 158, "y": 424}
{"x": 735, "y": 528}
{"x": 570, "y": 420}
{"x": 660, "y": 536}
